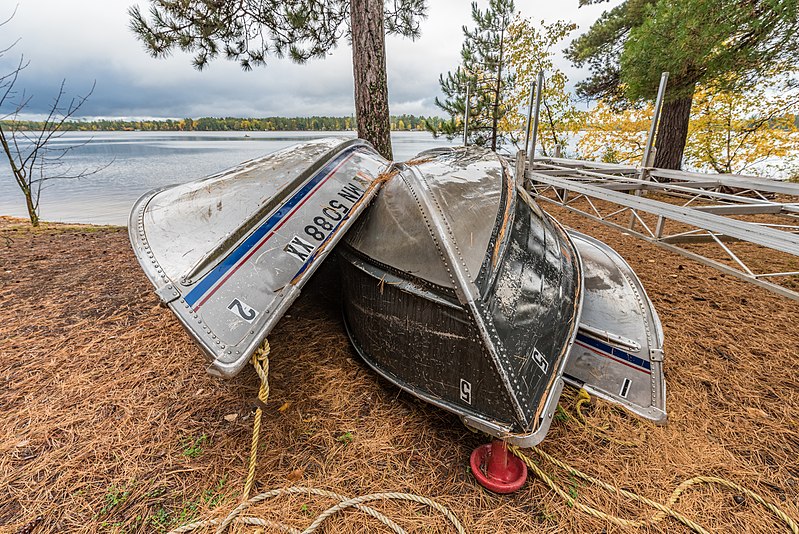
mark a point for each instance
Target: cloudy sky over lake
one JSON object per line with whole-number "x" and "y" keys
{"x": 84, "y": 41}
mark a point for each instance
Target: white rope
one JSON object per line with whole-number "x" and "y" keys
{"x": 344, "y": 503}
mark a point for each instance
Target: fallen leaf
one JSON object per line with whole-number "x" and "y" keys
{"x": 296, "y": 474}
{"x": 231, "y": 417}
{"x": 755, "y": 412}
{"x": 284, "y": 407}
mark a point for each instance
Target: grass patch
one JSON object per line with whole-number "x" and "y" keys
{"x": 193, "y": 447}
{"x": 346, "y": 438}
{"x": 164, "y": 519}
{"x": 113, "y": 498}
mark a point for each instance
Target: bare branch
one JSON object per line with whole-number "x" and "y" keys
{"x": 33, "y": 158}
{"x": 7, "y": 81}
{"x": 13, "y": 14}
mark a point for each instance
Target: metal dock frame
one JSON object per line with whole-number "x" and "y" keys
{"x": 687, "y": 208}
{"x": 696, "y": 207}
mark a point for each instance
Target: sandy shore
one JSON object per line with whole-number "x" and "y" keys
{"x": 110, "y": 424}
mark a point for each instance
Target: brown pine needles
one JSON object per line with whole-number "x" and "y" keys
{"x": 108, "y": 422}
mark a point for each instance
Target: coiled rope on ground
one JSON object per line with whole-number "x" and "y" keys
{"x": 260, "y": 362}
{"x": 663, "y": 510}
{"x": 235, "y": 517}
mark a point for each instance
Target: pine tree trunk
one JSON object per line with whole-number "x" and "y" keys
{"x": 672, "y": 133}
{"x": 497, "y": 91}
{"x": 369, "y": 70}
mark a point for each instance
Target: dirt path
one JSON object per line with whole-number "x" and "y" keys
{"x": 108, "y": 422}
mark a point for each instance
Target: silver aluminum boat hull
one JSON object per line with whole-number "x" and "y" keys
{"x": 229, "y": 253}
{"x": 618, "y": 353}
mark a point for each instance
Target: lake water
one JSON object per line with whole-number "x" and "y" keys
{"x": 141, "y": 161}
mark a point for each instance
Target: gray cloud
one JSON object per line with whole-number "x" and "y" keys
{"x": 83, "y": 41}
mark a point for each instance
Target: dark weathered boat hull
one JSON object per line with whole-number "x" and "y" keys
{"x": 481, "y": 329}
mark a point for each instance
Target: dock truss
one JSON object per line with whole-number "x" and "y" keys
{"x": 744, "y": 226}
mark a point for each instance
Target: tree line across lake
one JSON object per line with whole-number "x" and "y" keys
{"x": 214, "y": 124}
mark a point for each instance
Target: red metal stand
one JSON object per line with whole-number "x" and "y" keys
{"x": 496, "y": 469}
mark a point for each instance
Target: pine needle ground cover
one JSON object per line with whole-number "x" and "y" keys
{"x": 108, "y": 422}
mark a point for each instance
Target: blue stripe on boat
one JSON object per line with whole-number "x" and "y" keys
{"x": 239, "y": 252}
{"x": 615, "y": 352}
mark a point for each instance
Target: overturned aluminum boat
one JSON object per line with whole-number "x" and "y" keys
{"x": 229, "y": 253}
{"x": 457, "y": 287}
{"x": 462, "y": 291}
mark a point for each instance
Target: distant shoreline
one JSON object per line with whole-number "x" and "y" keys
{"x": 235, "y": 124}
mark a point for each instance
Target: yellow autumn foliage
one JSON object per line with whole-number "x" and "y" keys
{"x": 530, "y": 49}
{"x": 732, "y": 132}
{"x": 614, "y": 136}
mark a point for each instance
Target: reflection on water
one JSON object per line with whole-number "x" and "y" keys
{"x": 141, "y": 161}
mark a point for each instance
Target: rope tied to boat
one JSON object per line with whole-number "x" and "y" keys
{"x": 584, "y": 398}
{"x": 260, "y": 361}
{"x": 663, "y": 510}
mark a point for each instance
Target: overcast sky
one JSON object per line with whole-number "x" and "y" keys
{"x": 84, "y": 41}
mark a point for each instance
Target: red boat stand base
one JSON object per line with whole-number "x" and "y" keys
{"x": 496, "y": 469}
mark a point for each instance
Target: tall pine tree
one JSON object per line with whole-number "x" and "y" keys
{"x": 249, "y": 31}
{"x": 696, "y": 41}
{"x": 483, "y": 73}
